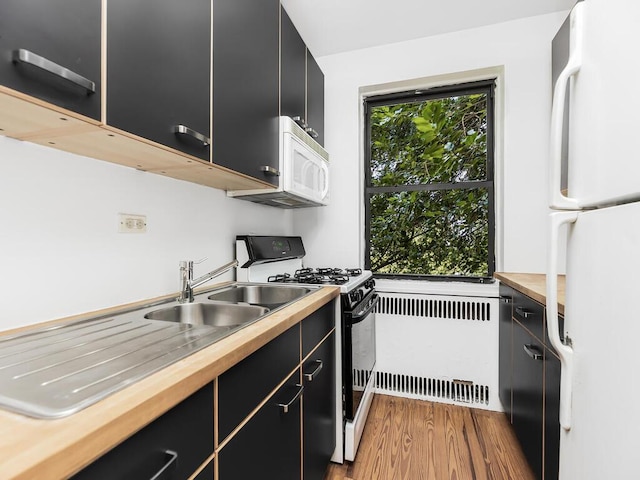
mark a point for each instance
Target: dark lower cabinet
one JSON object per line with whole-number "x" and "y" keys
{"x": 319, "y": 412}
{"x": 528, "y": 395}
{"x": 51, "y": 50}
{"x": 176, "y": 443}
{"x": 505, "y": 353}
{"x": 552, "y": 416}
{"x": 268, "y": 446}
{"x": 158, "y": 56}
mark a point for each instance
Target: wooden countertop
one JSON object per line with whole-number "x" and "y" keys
{"x": 32, "y": 448}
{"x": 533, "y": 285}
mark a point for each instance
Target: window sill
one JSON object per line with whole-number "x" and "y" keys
{"x": 425, "y": 287}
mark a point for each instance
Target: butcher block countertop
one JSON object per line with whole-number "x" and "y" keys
{"x": 33, "y": 448}
{"x": 533, "y": 285}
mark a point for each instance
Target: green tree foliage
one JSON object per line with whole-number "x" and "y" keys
{"x": 443, "y": 231}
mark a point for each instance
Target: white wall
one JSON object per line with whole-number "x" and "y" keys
{"x": 521, "y": 50}
{"x": 60, "y": 253}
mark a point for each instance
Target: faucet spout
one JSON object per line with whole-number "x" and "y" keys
{"x": 187, "y": 284}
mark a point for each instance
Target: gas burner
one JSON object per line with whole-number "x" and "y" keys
{"x": 280, "y": 278}
{"x": 308, "y": 277}
{"x": 303, "y": 271}
{"x": 330, "y": 271}
{"x": 337, "y": 279}
{"x": 354, "y": 272}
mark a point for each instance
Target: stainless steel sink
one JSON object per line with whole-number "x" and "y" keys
{"x": 270, "y": 296}
{"x": 211, "y": 314}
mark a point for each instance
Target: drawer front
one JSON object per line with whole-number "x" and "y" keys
{"x": 315, "y": 327}
{"x": 243, "y": 387}
{"x": 180, "y": 440}
{"x": 529, "y": 313}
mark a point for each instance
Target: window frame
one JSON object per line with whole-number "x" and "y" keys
{"x": 414, "y": 96}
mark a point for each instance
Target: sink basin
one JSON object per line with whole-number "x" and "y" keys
{"x": 269, "y": 296}
{"x": 211, "y": 314}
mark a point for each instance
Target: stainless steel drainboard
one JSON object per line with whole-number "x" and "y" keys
{"x": 54, "y": 372}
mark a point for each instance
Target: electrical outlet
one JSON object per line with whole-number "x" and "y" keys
{"x": 128, "y": 223}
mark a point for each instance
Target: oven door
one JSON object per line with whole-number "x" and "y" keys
{"x": 359, "y": 363}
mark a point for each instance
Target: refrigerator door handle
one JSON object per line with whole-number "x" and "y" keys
{"x": 557, "y": 199}
{"x": 565, "y": 352}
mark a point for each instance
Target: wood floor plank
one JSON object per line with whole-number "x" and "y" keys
{"x": 408, "y": 439}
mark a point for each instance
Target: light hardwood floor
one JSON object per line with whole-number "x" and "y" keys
{"x": 415, "y": 440}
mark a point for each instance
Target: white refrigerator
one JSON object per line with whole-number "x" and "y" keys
{"x": 595, "y": 202}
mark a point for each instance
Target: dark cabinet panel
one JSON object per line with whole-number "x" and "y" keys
{"x": 245, "y": 85}
{"x": 293, "y": 70}
{"x": 244, "y": 386}
{"x": 316, "y": 326}
{"x": 315, "y": 97}
{"x": 181, "y": 440}
{"x": 206, "y": 473}
{"x": 551, "y": 416}
{"x": 63, "y": 37}
{"x": 158, "y": 57}
{"x": 319, "y": 407}
{"x": 529, "y": 313}
{"x": 505, "y": 353}
{"x": 268, "y": 446}
{"x": 528, "y": 395}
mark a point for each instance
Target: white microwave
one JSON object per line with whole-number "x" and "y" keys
{"x": 303, "y": 172}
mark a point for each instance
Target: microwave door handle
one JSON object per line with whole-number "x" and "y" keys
{"x": 325, "y": 170}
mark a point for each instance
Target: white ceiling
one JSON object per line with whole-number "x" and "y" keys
{"x": 333, "y": 26}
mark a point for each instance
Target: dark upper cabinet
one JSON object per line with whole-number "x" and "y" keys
{"x": 293, "y": 67}
{"x": 245, "y": 86}
{"x": 158, "y": 71}
{"x": 315, "y": 98}
{"x": 51, "y": 50}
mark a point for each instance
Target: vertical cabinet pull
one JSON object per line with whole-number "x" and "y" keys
{"x": 533, "y": 352}
{"x": 286, "y": 406}
{"x": 184, "y": 130}
{"x": 169, "y": 468}
{"x": 25, "y": 56}
{"x": 310, "y": 376}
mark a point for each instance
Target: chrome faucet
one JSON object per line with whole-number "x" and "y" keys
{"x": 187, "y": 283}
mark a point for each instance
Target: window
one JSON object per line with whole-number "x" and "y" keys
{"x": 429, "y": 194}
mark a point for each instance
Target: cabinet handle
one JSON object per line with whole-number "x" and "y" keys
{"x": 312, "y": 133}
{"x": 25, "y": 56}
{"x": 506, "y": 300}
{"x": 524, "y": 313}
{"x": 533, "y": 352}
{"x": 285, "y": 406}
{"x": 269, "y": 170}
{"x": 310, "y": 376}
{"x": 301, "y": 122}
{"x": 169, "y": 468}
{"x": 184, "y": 130}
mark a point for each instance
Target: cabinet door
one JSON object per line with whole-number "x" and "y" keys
{"x": 158, "y": 57}
{"x": 178, "y": 442}
{"x": 527, "y": 385}
{"x": 315, "y": 98}
{"x": 245, "y": 79}
{"x": 244, "y": 386}
{"x": 551, "y": 416}
{"x": 268, "y": 446}
{"x": 63, "y": 37}
{"x": 319, "y": 405}
{"x": 505, "y": 352}
{"x": 293, "y": 75}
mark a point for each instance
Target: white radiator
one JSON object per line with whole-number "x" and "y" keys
{"x": 438, "y": 348}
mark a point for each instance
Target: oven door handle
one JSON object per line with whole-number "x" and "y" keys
{"x": 364, "y": 313}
